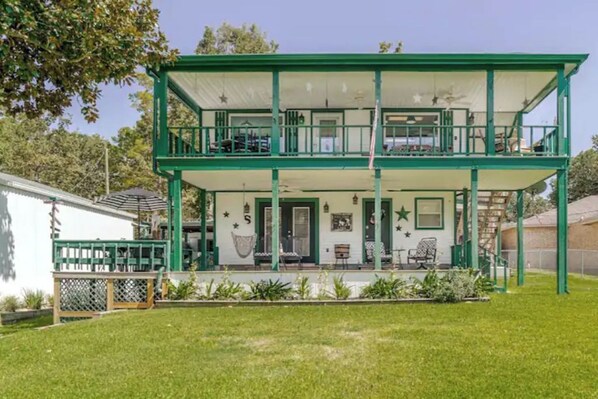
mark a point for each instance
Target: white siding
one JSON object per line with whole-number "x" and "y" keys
{"x": 339, "y": 202}
{"x": 25, "y": 243}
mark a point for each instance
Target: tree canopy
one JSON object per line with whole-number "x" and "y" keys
{"x": 52, "y": 51}
{"x": 228, "y": 39}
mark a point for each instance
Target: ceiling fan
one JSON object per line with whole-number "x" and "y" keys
{"x": 450, "y": 98}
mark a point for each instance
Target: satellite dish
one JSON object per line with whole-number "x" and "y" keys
{"x": 538, "y": 188}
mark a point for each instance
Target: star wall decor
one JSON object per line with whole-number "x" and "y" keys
{"x": 435, "y": 100}
{"x": 417, "y": 98}
{"x": 403, "y": 214}
{"x": 226, "y": 214}
{"x": 407, "y": 234}
{"x": 235, "y": 225}
{"x": 223, "y": 99}
{"x": 398, "y": 227}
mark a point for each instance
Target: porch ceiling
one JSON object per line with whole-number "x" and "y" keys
{"x": 306, "y": 90}
{"x": 362, "y": 180}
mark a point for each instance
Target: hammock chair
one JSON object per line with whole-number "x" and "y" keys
{"x": 244, "y": 244}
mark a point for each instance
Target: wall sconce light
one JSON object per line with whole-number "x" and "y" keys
{"x": 246, "y": 208}
{"x": 355, "y": 199}
{"x": 326, "y": 207}
{"x": 301, "y": 119}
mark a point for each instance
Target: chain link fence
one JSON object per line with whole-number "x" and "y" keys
{"x": 582, "y": 261}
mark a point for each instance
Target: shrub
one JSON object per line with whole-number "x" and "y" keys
{"x": 226, "y": 289}
{"x": 10, "y": 303}
{"x": 340, "y": 290}
{"x": 428, "y": 285}
{"x": 50, "y": 300}
{"x": 269, "y": 290}
{"x": 33, "y": 299}
{"x": 184, "y": 290}
{"x": 454, "y": 286}
{"x": 482, "y": 285}
{"x": 303, "y": 289}
{"x": 385, "y": 288}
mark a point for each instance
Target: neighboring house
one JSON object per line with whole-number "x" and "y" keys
{"x": 540, "y": 237}
{"x": 25, "y": 230}
{"x": 373, "y": 151}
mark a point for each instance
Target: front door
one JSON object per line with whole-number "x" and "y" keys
{"x": 297, "y": 224}
{"x": 369, "y": 226}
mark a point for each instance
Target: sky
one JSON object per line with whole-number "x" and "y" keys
{"x": 424, "y": 26}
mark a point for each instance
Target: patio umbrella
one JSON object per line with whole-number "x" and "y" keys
{"x": 134, "y": 199}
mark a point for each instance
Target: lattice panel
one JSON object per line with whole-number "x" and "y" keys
{"x": 130, "y": 291}
{"x": 83, "y": 295}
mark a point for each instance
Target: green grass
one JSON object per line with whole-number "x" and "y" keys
{"x": 528, "y": 343}
{"x": 25, "y": 325}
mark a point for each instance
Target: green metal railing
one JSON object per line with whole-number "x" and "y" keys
{"x": 489, "y": 263}
{"x": 354, "y": 140}
{"x": 116, "y": 255}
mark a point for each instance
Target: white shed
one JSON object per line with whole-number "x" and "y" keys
{"x": 25, "y": 230}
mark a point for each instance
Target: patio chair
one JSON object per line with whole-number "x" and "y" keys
{"x": 385, "y": 256}
{"x": 425, "y": 253}
{"x": 287, "y": 254}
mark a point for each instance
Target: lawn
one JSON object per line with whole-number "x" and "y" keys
{"x": 527, "y": 343}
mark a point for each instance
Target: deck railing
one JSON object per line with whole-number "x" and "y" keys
{"x": 109, "y": 256}
{"x": 354, "y": 140}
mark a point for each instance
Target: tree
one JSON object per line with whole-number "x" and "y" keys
{"x": 533, "y": 204}
{"x": 228, "y": 39}
{"x": 51, "y": 51}
{"x": 35, "y": 150}
{"x": 583, "y": 174}
{"x": 385, "y": 47}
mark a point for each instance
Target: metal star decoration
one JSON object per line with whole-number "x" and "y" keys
{"x": 407, "y": 234}
{"x": 235, "y": 225}
{"x": 223, "y": 99}
{"x": 417, "y": 98}
{"x": 398, "y": 227}
{"x": 226, "y": 214}
{"x": 435, "y": 100}
{"x": 403, "y": 214}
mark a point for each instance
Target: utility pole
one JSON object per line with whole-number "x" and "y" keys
{"x": 106, "y": 169}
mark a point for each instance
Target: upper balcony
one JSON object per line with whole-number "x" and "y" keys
{"x": 356, "y": 105}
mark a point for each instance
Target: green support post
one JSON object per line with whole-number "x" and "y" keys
{"x": 275, "y": 222}
{"x": 568, "y": 120}
{"x": 203, "y": 260}
{"x": 464, "y": 249}
{"x": 216, "y": 250}
{"x": 169, "y": 217}
{"x": 473, "y": 255}
{"x": 490, "y": 136}
{"x": 275, "y": 139}
{"x": 520, "y": 258}
{"x": 561, "y": 231}
{"x": 177, "y": 222}
{"x": 379, "y": 130}
{"x": 378, "y": 220}
{"x": 455, "y": 227}
{"x": 560, "y": 110}
{"x": 162, "y": 95}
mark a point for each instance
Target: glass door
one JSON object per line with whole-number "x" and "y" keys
{"x": 301, "y": 231}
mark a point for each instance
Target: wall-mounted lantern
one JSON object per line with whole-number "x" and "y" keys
{"x": 246, "y": 208}
{"x": 301, "y": 119}
{"x": 355, "y": 199}
{"x": 326, "y": 207}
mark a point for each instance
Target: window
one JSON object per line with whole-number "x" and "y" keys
{"x": 415, "y": 129}
{"x": 429, "y": 213}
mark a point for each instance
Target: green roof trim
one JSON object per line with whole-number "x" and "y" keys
{"x": 309, "y": 62}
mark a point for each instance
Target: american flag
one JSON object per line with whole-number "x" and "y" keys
{"x": 373, "y": 137}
